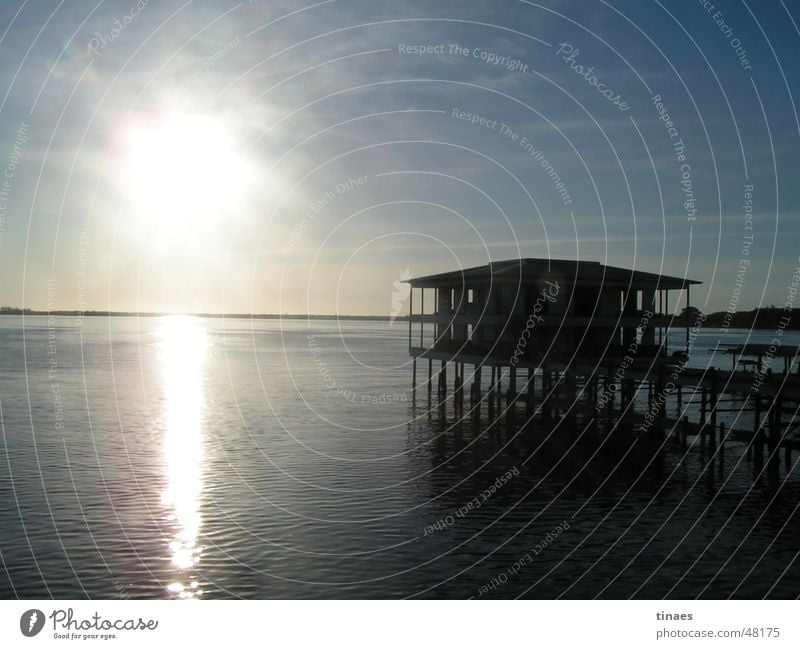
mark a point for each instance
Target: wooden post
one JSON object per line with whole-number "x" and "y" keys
{"x": 530, "y": 393}
{"x": 430, "y": 376}
{"x": 490, "y": 394}
{"x": 410, "y": 312}
{"x": 756, "y": 422}
{"x": 421, "y": 323}
{"x": 702, "y": 423}
{"x": 713, "y": 408}
{"x": 687, "y": 316}
{"x": 457, "y": 393}
{"x": 721, "y": 436}
{"x": 472, "y": 389}
{"x": 475, "y": 395}
{"x": 758, "y": 440}
{"x": 462, "y": 381}
{"x": 775, "y": 432}
{"x": 499, "y": 390}
{"x": 414, "y": 374}
{"x": 660, "y": 312}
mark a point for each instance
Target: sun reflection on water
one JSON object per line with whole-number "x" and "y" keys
{"x": 183, "y": 347}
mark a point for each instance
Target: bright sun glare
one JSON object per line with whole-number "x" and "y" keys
{"x": 183, "y": 346}
{"x": 181, "y": 165}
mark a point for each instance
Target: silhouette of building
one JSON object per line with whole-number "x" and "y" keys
{"x": 523, "y": 311}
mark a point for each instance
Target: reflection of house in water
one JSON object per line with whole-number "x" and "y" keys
{"x": 530, "y": 310}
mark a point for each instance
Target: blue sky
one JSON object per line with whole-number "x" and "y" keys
{"x": 173, "y": 160}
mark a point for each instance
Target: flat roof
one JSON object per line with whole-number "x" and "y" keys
{"x": 586, "y": 273}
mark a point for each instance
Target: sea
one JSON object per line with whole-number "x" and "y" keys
{"x": 184, "y": 457}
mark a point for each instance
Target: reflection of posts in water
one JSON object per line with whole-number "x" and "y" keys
{"x": 546, "y": 389}
{"x": 530, "y": 392}
{"x": 511, "y": 396}
{"x": 498, "y": 392}
{"x": 702, "y": 423}
{"x": 713, "y": 409}
{"x": 684, "y": 433}
{"x": 756, "y": 426}
{"x": 570, "y": 389}
{"x": 774, "y": 433}
{"x": 710, "y": 472}
{"x": 430, "y": 377}
{"x": 490, "y": 393}
{"x": 758, "y": 441}
{"x": 442, "y": 409}
{"x": 609, "y": 389}
{"x": 576, "y": 395}
{"x": 475, "y": 395}
{"x": 458, "y": 379}
{"x": 595, "y": 384}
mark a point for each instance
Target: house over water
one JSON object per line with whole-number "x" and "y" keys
{"x": 522, "y": 312}
{"x": 589, "y": 334}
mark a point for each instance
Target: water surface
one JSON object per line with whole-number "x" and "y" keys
{"x": 184, "y": 457}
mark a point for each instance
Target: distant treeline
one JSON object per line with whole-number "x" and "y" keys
{"x": 763, "y": 318}
{"x": 8, "y": 310}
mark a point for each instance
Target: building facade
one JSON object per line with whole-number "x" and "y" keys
{"x": 524, "y": 311}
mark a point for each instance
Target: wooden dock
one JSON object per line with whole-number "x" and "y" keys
{"x": 610, "y": 396}
{"x": 579, "y": 341}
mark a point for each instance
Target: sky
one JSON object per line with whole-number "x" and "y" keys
{"x": 293, "y": 157}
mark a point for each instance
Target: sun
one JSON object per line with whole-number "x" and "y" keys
{"x": 179, "y": 167}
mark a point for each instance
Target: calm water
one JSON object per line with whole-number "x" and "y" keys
{"x": 181, "y": 457}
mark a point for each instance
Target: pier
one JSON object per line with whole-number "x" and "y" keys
{"x": 550, "y": 342}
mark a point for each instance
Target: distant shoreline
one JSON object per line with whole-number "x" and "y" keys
{"x": 232, "y": 316}
{"x": 764, "y": 319}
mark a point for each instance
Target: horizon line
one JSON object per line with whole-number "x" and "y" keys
{"x": 6, "y": 310}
